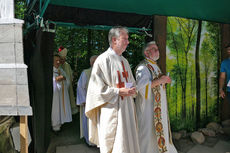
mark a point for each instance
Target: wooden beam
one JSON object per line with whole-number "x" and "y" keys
{"x": 23, "y": 134}
{"x": 160, "y": 34}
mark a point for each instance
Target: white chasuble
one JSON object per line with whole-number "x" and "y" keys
{"x": 61, "y": 110}
{"x": 112, "y": 118}
{"x": 152, "y": 112}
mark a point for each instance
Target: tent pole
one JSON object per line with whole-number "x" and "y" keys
{"x": 40, "y": 6}
{"x": 44, "y": 7}
{"x": 32, "y": 6}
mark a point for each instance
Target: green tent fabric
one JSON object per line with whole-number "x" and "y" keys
{"x": 210, "y": 10}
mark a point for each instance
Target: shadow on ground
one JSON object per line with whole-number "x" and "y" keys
{"x": 69, "y": 135}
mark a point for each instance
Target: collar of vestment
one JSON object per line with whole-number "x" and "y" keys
{"x": 113, "y": 52}
{"x": 55, "y": 69}
{"x": 150, "y": 61}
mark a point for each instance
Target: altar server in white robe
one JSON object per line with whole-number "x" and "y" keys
{"x": 151, "y": 104}
{"x": 109, "y": 102}
{"x": 61, "y": 110}
{"x": 82, "y": 86}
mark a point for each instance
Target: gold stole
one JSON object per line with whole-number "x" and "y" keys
{"x": 159, "y": 130}
{"x": 63, "y": 92}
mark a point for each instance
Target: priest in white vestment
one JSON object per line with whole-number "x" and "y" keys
{"x": 62, "y": 52}
{"x": 61, "y": 110}
{"x": 82, "y": 86}
{"x": 151, "y": 104}
{"x": 109, "y": 102}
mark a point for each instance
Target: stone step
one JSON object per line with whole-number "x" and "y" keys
{"x": 80, "y": 148}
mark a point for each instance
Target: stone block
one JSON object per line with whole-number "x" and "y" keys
{"x": 21, "y": 76}
{"x": 7, "y": 95}
{"x": 208, "y": 132}
{"x": 24, "y": 110}
{"x": 8, "y": 110}
{"x": 19, "y": 53}
{"x": 18, "y": 33}
{"x": 197, "y": 137}
{"x": 7, "y": 53}
{"x": 7, "y": 76}
{"x": 22, "y": 95}
{"x": 7, "y": 33}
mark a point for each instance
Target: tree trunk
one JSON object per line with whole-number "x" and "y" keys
{"x": 206, "y": 95}
{"x": 192, "y": 98}
{"x": 198, "y": 76}
{"x": 176, "y": 98}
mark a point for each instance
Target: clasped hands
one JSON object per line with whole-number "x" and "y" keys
{"x": 60, "y": 78}
{"x": 127, "y": 91}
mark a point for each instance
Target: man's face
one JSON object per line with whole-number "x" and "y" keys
{"x": 122, "y": 41}
{"x": 62, "y": 60}
{"x": 56, "y": 61}
{"x": 152, "y": 52}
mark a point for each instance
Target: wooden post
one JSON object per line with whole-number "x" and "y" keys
{"x": 160, "y": 34}
{"x": 23, "y": 134}
{"x": 225, "y": 39}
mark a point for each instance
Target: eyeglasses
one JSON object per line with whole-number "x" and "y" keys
{"x": 153, "y": 49}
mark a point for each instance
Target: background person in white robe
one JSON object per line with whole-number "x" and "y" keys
{"x": 109, "y": 102}
{"x": 82, "y": 86}
{"x": 62, "y": 52}
{"x": 61, "y": 111}
{"x": 151, "y": 104}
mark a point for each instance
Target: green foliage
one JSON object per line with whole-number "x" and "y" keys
{"x": 20, "y": 8}
{"x": 181, "y": 42}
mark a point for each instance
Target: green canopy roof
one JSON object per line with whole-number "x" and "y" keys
{"x": 210, "y": 10}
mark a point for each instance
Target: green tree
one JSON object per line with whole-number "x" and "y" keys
{"x": 181, "y": 37}
{"x": 20, "y": 8}
{"x": 197, "y": 59}
{"x": 213, "y": 30}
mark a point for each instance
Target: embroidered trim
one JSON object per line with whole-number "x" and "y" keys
{"x": 151, "y": 61}
{"x": 159, "y": 129}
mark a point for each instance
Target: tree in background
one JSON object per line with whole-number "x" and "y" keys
{"x": 20, "y": 8}
{"x": 189, "y": 48}
{"x": 181, "y": 38}
{"x": 197, "y": 61}
{"x": 213, "y": 30}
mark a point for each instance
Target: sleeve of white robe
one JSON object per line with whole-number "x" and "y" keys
{"x": 100, "y": 89}
{"x": 81, "y": 89}
{"x": 143, "y": 80}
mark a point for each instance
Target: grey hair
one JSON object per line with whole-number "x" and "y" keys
{"x": 115, "y": 32}
{"x": 147, "y": 46}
